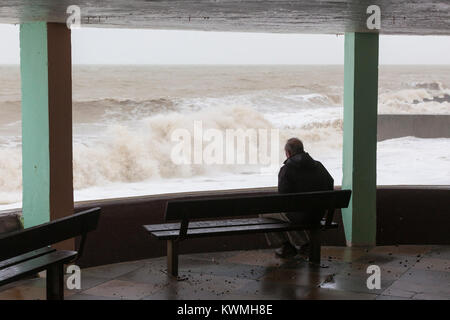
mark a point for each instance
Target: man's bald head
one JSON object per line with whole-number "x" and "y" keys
{"x": 293, "y": 146}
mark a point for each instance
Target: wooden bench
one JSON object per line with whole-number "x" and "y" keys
{"x": 239, "y": 206}
{"x": 26, "y": 252}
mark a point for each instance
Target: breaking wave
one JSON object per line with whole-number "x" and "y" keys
{"x": 142, "y": 151}
{"x": 415, "y": 101}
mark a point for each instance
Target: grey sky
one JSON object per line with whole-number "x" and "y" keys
{"x": 121, "y": 46}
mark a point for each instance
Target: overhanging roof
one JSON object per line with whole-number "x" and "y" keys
{"x": 301, "y": 16}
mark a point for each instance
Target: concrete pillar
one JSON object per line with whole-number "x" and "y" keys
{"x": 360, "y": 136}
{"x": 46, "y": 76}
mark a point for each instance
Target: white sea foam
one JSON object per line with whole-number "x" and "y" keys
{"x": 414, "y": 101}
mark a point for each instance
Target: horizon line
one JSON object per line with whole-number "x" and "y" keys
{"x": 235, "y": 64}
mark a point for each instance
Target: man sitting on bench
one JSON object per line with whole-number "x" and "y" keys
{"x": 300, "y": 173}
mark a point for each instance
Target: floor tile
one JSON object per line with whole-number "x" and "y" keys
{"x": 387, "y": 260}
{"x": 387, "y": 271}
{"x": 433, "y": 264}
{"x": 38, "y": 282}
{"x": 346, "y": 254}
{"x": 151, "y": 272}
{"x": 23, "y": 293}
{"x": 82, "y": 296}
{"x": 112, "y": 271}
{"x": 402, "y": 250}
{"x": 439, "y": 252}
{"x": 353, "y": 284}
{"x": 122, "y": 290}
{"x": 431, "y": 296}
{"x": 188, "y": 265}
{"x": 398, "y": 292}
{"x": 263, "y": 258}
{"x": 417, "y": 281}
{"x": 330, "y": 266}
{"x": 309, "y": 277}
{"x": 274, "y": 290}
{"x": 383, "y": 297}
{"x": 196, "y": 286}
{"x": 329, "y": 294}
{"x": 215, "y": 256}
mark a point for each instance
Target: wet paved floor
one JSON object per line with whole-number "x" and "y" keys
{"x": 407, "y": 272}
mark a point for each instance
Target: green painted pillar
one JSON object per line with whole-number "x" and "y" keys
{"x": 360, "y": 137}
{"x": 46, "y": 76}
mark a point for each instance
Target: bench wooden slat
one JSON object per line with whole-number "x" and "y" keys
{"x": 249, "y": 205}
{"x": 209, "y": 223}
{"x": 234, "y": 230}
{"x": 25, "y": 257}
{"x": 35, "y": 265}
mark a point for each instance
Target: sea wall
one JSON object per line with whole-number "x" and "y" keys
{"x": 392, "y": 126}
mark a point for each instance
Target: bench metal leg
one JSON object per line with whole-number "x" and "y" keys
{"x": 172, "y": 257}
{"x": 314, "y": 253}
{"x": 55, "y": 282}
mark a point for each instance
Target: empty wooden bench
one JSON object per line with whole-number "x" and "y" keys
{"x": 26, "y": 252}
{"x": 239, "y": 206}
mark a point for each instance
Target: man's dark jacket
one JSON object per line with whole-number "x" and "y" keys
{"x": 301, "y": 173}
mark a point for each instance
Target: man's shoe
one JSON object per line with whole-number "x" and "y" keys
{"x": 304, "y": 249}
{"x": 286, "y": 251}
